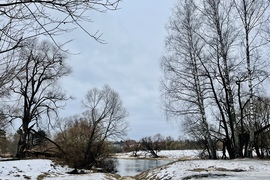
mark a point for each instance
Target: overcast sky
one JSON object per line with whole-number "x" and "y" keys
{"x": 129, "y": 63}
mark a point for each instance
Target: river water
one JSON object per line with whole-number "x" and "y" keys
{"x": 132, "y": 167}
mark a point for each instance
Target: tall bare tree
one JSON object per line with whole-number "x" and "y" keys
{"x": 220, "y": 39}
{"x": 35, "y": 88}
{"x": 184, "y": 85}
{"x": 253, "y": 16}
{"x": 215, "y": 61}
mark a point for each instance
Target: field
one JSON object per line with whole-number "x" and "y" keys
{"x": 187, "y": 165}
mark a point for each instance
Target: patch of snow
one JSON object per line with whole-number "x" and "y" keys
{"x": 32, "y": 169}
{"x": 20, "y": 169}
{"x": 180, "y": 154}
{"x": 170, "y": 154}
{"x": 214, "y": 169}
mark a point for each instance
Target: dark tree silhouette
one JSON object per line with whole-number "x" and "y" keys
{"x": 35, "y": 88}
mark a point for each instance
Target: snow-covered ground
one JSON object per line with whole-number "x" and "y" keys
{"x": 40, "y": 169}
{"x": 212, "y": 169}
{"x": 29, "y": 169}
{"x": 188, "y": 167}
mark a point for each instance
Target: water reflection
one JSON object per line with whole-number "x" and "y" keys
{"x": 131, "y": 167}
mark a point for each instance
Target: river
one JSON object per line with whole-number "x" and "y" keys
{"x": 132, "y": 167}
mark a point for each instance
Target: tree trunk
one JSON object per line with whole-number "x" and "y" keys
{"x": 211, "y": 146}
{"x": 22, "y": 145}
{"x": 153, "y": 153}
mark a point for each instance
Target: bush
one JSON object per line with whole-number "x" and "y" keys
{"x": 80, "y": 153}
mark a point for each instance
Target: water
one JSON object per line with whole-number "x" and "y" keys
{"x": 132, "y": 167}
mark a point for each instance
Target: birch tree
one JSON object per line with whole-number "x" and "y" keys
{"x": 220, "y": 39}
{"x": 253, "y": 16}
{"x": 218, "y": 62}
{"x": 184, "y": 85}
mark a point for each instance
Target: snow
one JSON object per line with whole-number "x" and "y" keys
{"x": 29, "y": 169}
{"x": 213, "y": 169}
{"x": 186, "y": 166}
{"x": 170, "y": 154}
{"x": 176, "y": 154}
{"x": 32, "y": 169}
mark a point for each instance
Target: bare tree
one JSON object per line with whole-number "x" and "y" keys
{"x": 221, "y": 38}
{"x": 184, "y": 85}
{"x": 261, "y": 126}
{"x": 25, "y": 19}
{"x": 153, "y": 144}
{"x": 35, "y": 89}
{"x": 107, "y": 118}
{"x": 254, "y": 17}
{"x": 84, "y": 138}
{"x": 215, "y": 61}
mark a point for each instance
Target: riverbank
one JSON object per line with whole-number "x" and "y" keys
{"x": 46, "y": 169}
{"x": 182, "y": 169}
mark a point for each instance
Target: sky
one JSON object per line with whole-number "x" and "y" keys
{"x": 129, "y": 63}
